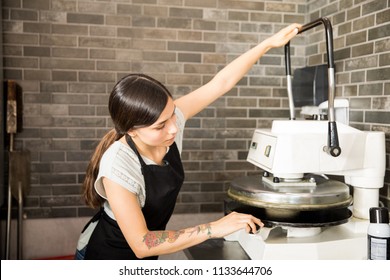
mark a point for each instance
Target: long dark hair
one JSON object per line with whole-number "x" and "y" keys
{"x": 136, "y": 100}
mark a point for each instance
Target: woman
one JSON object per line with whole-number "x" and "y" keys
{"x": 136, "y": 172}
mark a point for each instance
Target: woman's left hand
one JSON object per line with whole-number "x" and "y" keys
{"x": 233, "y": 222}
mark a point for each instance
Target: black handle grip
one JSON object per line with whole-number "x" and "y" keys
{"x": 333, "y": 147}
{"x": 287, "y": 58}
{"x": 329, "y": 36}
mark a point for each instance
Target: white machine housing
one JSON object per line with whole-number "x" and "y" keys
{"x": 294, "y": 147}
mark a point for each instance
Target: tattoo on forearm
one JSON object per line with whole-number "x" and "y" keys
{"x": 155, "y": 238}
{"x": 201, "y": 228}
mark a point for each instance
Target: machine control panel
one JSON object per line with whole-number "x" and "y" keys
{"x": 262, "y": 149}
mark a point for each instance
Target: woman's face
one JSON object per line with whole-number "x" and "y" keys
{"x": 162, "y": 132}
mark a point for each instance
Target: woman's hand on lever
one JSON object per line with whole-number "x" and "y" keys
{"x": 282, "y": 37}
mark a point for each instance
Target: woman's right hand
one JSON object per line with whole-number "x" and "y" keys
{"x": 234, "y": 222}
{"x": 284, "y": 35}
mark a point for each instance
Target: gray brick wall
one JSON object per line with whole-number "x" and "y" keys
{"x": 67, "y": 54}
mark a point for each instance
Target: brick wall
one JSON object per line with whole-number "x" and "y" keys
{"x": 67, "y": 54}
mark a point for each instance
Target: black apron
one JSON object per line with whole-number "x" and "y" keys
{"x": 162, "y": 186}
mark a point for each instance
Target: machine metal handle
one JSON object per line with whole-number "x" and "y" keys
{"x": 289, "y": 81}
{"x": 329, "y": 36}
{"x": 333, "y": 147}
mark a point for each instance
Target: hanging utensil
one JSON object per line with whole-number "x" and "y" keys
{"x": 18, "y": 172}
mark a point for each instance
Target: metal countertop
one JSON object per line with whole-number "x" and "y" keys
{"x": 216, "y": 249}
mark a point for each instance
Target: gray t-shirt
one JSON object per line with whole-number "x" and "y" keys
{"x": 121, "y": 165}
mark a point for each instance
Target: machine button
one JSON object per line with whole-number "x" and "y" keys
{"x": 267, "y": 150}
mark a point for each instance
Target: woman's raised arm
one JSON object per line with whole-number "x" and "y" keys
{"x": 228, "y": 77}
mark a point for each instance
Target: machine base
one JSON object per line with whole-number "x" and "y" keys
{"x": 342, "y": 242}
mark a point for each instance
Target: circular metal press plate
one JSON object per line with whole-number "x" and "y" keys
{"x": 327, "y": 194}
{"x": 293, "y": 218}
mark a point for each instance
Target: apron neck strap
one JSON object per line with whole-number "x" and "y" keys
{"x": 131, "y": 143}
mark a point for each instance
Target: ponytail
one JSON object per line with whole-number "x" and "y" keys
{"x": 91, "y": 197}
